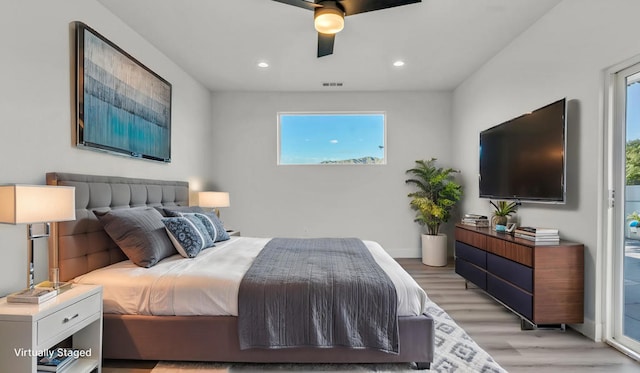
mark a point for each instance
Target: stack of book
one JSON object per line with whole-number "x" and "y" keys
{"x": 475, "y": 220}
{"x": 34, "y": 295}
{"x": 57, "y": 360}
{"x": 541, "y": 236}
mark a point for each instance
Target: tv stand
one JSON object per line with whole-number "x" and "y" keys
{"x": 543, "y": 284}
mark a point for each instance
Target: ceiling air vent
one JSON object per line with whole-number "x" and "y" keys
{"x": 332, "y": 84}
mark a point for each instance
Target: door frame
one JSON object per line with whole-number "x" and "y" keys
{"x": 612, "y": 217}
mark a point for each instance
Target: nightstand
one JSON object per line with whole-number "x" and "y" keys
{"x": 232, "y": 233}
{"x": 27, "y": 330}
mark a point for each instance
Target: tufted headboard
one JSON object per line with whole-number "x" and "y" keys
{"x": 80, "y": 246}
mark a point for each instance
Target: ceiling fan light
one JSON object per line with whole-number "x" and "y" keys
{"x": 328, "y": 20}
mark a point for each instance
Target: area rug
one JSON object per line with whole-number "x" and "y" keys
{"x": 455, "y": 352}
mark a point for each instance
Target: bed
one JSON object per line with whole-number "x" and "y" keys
{"x": 83, "y": 251}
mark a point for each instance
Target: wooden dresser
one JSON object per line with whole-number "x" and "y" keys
{"x": 542, "y": 284}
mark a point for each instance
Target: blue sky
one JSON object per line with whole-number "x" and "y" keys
{"x": 633, "y": 111}
{"x": 313, "y": 138}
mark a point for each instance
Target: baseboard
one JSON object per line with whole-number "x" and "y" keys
{"x": 589, "y": 329}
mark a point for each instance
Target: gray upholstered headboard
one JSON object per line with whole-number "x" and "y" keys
{"x": 80, "y": 246}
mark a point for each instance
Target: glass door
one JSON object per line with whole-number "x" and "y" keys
{"x": 626, "y": 256}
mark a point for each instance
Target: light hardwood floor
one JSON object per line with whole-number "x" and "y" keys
{"x": 495, "y": 329}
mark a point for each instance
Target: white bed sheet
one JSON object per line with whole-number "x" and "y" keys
{"x": 209, "y": 283}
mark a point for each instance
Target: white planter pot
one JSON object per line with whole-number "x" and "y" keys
{"x": 434, "y": 250}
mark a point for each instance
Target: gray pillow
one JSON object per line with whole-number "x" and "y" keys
{"x": 211, "y": 218}
{"x": 172, "y": 211}
{"x": 139, "y": 232}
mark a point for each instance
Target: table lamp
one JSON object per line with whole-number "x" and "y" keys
{"x": 214, "y": 200}
{"x": 34, "y": 204}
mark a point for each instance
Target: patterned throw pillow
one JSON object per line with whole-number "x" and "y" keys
{"x": 213, "y": 224}
{"x": 188, "y": 235}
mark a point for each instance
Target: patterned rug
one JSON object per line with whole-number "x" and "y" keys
{"x": 455, "y": 351}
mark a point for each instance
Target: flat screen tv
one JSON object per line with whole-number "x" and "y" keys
{"x": 122, "y": 106}
{"x": 524, "y": 158}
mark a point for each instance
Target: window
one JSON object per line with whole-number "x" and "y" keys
{"x": 331, "y": 138}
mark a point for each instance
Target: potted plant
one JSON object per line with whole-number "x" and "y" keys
{"x": 502, "y": 212}
{"x": 433, "y": 201}
{"x": 632, "y": 226}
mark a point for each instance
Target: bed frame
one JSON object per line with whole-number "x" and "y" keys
{"x": 80, "y": 246}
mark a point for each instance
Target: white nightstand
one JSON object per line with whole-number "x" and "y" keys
{"x": 232, "y": 233}
{"x": 29, "y": 329}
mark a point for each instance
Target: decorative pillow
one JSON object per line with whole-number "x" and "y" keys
{"x": 208, "y": 225}
{"x": 139, "y": 232}
{"x": 212, "y": 219}
{"x": 188, "y": 234}
{"x": 172, "y": 211}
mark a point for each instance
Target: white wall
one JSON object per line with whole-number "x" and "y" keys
{"x": 369, "y": 202}
{"x": 35, "y": 111}
{"x": 563, "y": 55}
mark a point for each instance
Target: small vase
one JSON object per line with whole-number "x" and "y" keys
{"x": 498, "y": 220}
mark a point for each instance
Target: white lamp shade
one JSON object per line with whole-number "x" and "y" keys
{"x": 30, "y": 204}
{"x": 213, "y": 199}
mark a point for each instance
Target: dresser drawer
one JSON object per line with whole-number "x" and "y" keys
{"x": 67, "y": 317}
{"x": 515, "y": 298}
{"x": 471, "y": 254}
{"x": 469, "y": 237}
{"x": 471, "y": 273}
{"x": 515, "y": 273}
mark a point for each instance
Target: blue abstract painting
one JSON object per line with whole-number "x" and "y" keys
{"x": 124, "y": 106}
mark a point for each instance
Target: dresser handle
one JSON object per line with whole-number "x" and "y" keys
{"x": 67, "y": 319}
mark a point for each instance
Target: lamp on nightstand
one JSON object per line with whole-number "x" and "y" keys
{"x": 214, "y": 200}
{"x": 33, "y": 204}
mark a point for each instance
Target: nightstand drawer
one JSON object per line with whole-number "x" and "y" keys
{"x": 67, "y": 317}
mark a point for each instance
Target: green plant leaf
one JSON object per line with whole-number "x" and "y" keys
{"x": 504, "y": 208}
{"x": 436, "y": 195}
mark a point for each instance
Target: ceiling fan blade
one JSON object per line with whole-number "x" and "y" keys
{"x": 352, "y": 7}
{"x": 310, "y": 5}
{"x": 325, "y": 44}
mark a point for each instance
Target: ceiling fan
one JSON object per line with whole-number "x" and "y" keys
{"x": 329, "y": 16}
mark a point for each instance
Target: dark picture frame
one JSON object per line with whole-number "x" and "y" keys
{"x": 122, "y": 106}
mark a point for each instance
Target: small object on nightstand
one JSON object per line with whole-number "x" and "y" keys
{"x": 35, "y": 296}
{"x": 57, "y": 360}
{"x": 60, "y": 286}
{"x": 214, "y": 200}
{"x": 34, "y": 204}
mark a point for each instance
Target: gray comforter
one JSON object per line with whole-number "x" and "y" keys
{"x": 317, "y": 293}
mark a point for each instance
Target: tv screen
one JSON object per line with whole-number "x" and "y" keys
{"x": 524, "y": 158}
{"x": 122, "y": 106}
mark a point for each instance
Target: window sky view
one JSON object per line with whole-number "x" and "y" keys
{"x": 331, "y": 138}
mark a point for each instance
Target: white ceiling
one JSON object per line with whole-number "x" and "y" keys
{"x": 219, "y": 43}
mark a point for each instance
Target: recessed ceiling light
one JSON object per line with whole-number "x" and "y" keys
{"x": 398, "y": 63}
{"x": 263, "y": 64}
